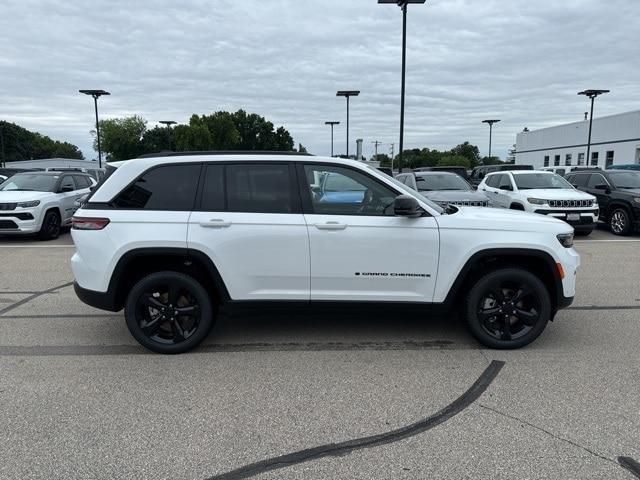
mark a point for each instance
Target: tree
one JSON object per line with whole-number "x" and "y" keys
{"x": 454, "y": 161}
{"x": 18, "y": 143}
{"x": 470, "y": 152}
{"x": 383, "y": 158}
{"x": 121, "y": 138}
{"x": 491, "y": 161}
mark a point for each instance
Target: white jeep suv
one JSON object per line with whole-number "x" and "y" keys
{"x": 40, "y": 202}
{"x": 171, "y": 238}
{"x": 545, "y": 193}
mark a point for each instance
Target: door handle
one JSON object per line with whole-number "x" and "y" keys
{"x": 331, "y": 226}
{"x": 215, "y": 223}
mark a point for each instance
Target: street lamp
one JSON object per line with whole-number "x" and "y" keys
{"x": 168, "y": 123}
{"x": 332, "y": 124}
{"x": 592, "y": 94}
{"x": 347, "y": 94}
{"x": 490, "y": 122}
{"x": 403, "y": 5}
{"x": 96, "y": 94}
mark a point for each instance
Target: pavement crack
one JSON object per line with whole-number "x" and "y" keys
{"x": 551, "y": 434}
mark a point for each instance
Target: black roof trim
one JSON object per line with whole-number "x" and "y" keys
{"x": 221, "y": 152}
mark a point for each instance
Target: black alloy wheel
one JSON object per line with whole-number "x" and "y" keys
{"x": 169, "y": 312}
{"x": 50, "y": 228}
{"x": 508, "y": 308}
{"x": 619, "y": 222}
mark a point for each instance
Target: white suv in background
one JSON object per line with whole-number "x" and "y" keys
{"x": 542, "y": 192}
{"x": 40, "y": 202}
{"x": 171, "y": 238}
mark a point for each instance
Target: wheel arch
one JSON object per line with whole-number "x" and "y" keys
{"x": 516, "y": 206}
{"x": 137, "y": 263}
{"x": 538, "y": 262}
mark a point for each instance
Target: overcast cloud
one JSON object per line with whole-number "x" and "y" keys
{"x": 518, "y": 60}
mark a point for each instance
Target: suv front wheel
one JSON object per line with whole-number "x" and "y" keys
{"x": 619, "y": 222}
{"x": 508, "y": 308}
{"x": 169, "y": 312}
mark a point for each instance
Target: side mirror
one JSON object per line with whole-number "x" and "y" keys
{"x": 66, "y": 188}
{"x": 406, "y": 206}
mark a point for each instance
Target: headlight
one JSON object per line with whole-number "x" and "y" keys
{"x": 566, "y": 239}
{"x": 34, "y": 203}
{"x": 536, "y": 201}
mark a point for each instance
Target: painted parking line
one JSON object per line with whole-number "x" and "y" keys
{"x": 37, "y": 246}
{"x": 624, "y": 240}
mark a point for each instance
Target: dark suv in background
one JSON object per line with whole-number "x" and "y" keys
{"x": 618, "y": 194}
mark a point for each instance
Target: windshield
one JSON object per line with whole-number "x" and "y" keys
{"x": 625, "y": 179}
{"x": 413, "y": 193}
{"x": 30, "y": 182}
{"x": 529, "y": 181}
{"x": 441, "y": 181}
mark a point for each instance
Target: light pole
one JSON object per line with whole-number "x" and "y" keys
{"x": 403, "y": 6}
{"x": 168, "y": 123}
{"x": 592, "y": 94}
{"x": 490, "y": 122}
{"x": 332, "y": 124}
{"x": 347, "y": 94}
{"x": 375, "y": 145}
{"x": 96, "y": 94}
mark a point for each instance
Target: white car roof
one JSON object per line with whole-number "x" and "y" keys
{"x": 522, "y": 172}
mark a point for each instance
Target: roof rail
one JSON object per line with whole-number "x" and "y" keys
{"x": 221, "y": 152}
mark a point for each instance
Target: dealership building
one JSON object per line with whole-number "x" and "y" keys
{"x": 614, "y": 140}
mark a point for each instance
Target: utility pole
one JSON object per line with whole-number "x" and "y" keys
{"x": 375, "y": 144}
{"x": 392, "y": 146}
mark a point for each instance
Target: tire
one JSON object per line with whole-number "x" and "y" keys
{"x": 50, "y": 228}
{"x": 151, "y": 312}
{"x": 495, "y": 292}
{"x": 620, "y": 222}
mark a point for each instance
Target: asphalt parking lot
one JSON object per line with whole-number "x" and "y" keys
{"x": 81, "y": 399}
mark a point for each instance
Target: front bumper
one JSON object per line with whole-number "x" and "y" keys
{"x": 19, "y": 222}
{"x": 587, "y": 218}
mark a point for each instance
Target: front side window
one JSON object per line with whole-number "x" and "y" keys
{"x": 259, "y": 188}
{"x": 505, "y": 183}
{"x": 168, "y": 187}
{"x": 493, "y": 181}
{"x": 530, "y": 181}
{"x": 579, "y": 180}
{"x": 67, "y": 184}
{"x": 596, "y": 179}
{"x": 341, "y": 191}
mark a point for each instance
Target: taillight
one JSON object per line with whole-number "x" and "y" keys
{"x": 85, "y": 223}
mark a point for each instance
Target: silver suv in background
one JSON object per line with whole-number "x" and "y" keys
{"x": 444, "y": 188}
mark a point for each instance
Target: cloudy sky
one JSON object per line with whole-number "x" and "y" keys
{"x": 518, "y": 60}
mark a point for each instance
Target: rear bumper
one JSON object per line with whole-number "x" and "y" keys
{"x": 101, "y": 300}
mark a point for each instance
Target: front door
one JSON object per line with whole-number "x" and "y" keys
{"x": 250, "y": 224}
{"x": 359, "y": 250}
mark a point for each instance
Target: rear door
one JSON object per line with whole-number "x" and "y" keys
{"x": 358, "y": 249}
{"x": 249, "y": 222}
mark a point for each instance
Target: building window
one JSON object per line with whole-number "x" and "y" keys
{"x": 581, "y": 158}
{"x": 567, "y": 160}
{"x": 556, "y": 161}
{"x": 546, "y": 160}
{"x": 594, "y": 159}
{"x": 609, "y": 159}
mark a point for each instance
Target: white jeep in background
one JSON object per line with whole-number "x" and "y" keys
{"x": 542, "y": 192}
{"x": 170, "y": 238}
{"x": 40, "y": 202}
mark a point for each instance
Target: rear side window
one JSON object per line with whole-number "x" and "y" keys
{"x": 260, "y": 188}
{"x": 170, "y": 187}
{"x": 213, "y": 189}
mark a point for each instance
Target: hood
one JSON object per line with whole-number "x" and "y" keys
{"x": 502, "y": 219}
{"x": 633, "y": 191}
{"x": 557, "y": 194}
{"x": 21, "y": 196}
{"x": 455, "y": 196}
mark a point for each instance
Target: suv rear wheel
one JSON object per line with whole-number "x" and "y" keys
{"x": 508, "y": 308}
{"x": 169, "y": 312}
